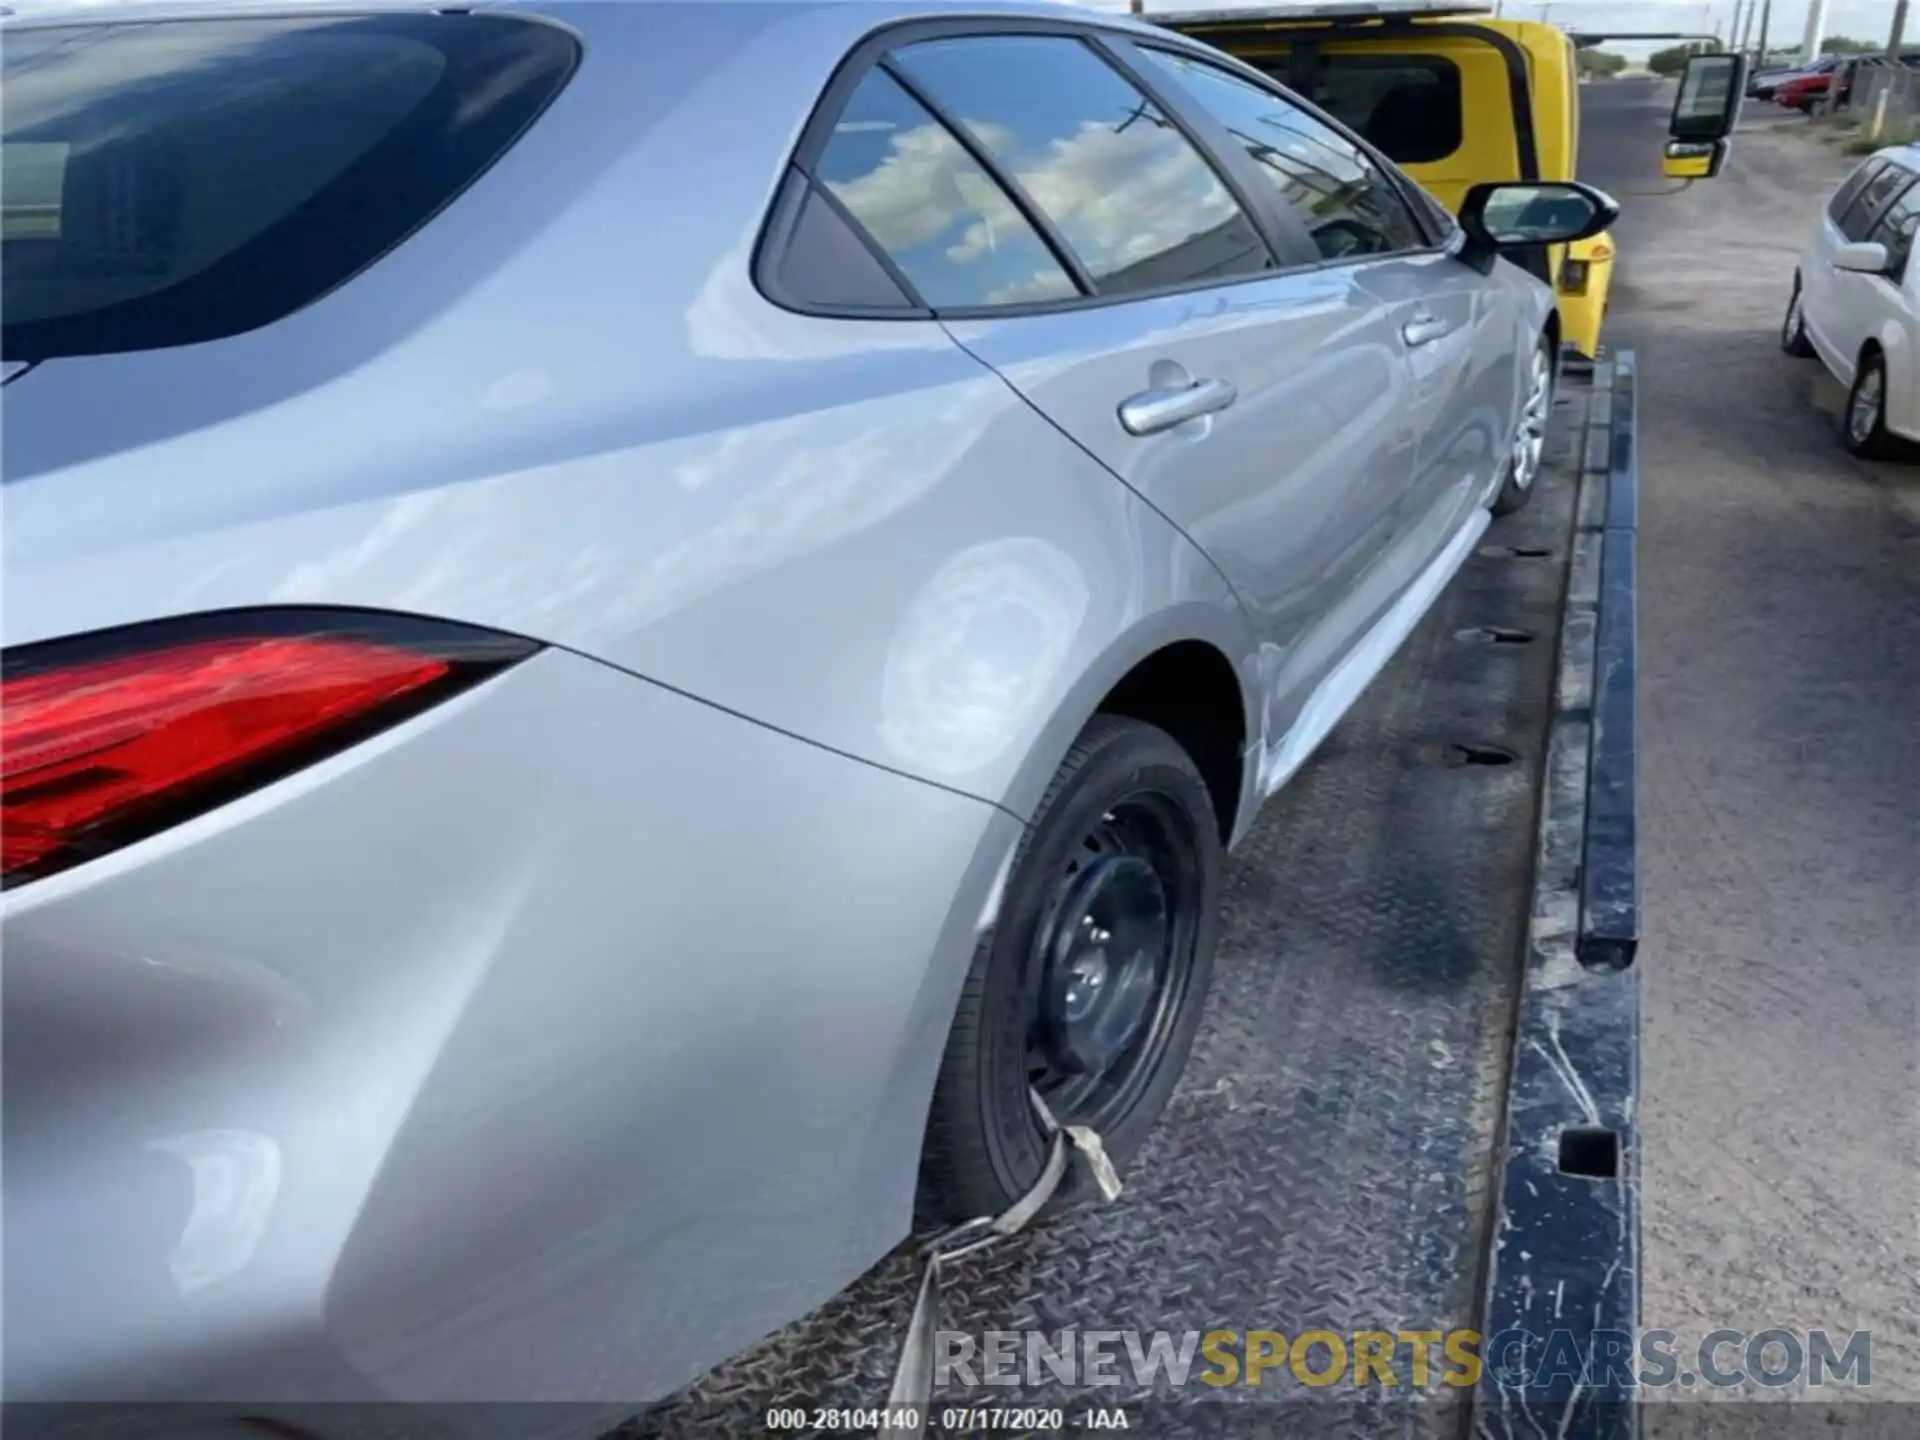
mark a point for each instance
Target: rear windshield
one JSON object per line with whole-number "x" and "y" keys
{"x": 1409, "y": 107}
{"x": 174, "y": 182}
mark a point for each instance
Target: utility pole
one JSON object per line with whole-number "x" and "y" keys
{"x": 1816, "y": 32}
{"x": 1766, "y": 23}
{"x": 1895, "y": 42}
{"x": 1733, "y": 36}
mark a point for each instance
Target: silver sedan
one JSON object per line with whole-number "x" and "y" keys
{"x": 626, "y": 626}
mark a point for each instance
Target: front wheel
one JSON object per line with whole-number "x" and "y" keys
{"x": 1864, "y": 427}
{"x": 1089, "y": 988}
{"x": 1793, "y": 330}
{"x": 1528, "y": 454}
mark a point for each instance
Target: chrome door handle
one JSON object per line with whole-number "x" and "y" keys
{"x": 1424, "y": 329}
{"x": 1152, "y": 411}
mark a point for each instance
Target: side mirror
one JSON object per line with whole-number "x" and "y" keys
{"x": 1863, "y": 257}
{"x": 1712, "y": 89}
{"x": 1500, "y": 217}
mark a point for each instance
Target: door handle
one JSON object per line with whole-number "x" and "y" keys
{"x": 1424, "y": 329}
{"x": 1152, "y": 411}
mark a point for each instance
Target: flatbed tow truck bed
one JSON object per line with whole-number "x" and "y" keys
{"x": 1410, "y": 1105}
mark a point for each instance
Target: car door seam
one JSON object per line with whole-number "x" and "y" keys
{"x": 1075, "y": 441}
{"x": 858, "y": 759}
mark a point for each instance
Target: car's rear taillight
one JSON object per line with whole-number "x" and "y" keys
{"x": 105, "y": 739}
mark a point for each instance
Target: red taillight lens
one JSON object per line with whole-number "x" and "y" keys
{"x": 105, "y": 741}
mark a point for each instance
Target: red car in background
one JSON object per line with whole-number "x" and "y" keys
{"x": 1806, "y": 90}
{"x": 1803, "y": 92}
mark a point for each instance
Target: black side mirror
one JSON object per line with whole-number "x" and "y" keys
{"x": 1501, "y": 217}
{"x": 1712, "y": 89}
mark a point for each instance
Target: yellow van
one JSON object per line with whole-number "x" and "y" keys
{"x": 1455, "y": 97}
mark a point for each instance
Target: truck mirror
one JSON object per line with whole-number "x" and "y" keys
{"x": 1711, "y": 91}
{"x": 1695, "y": 159}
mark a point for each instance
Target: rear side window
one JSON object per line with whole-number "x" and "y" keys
{"x": 1850, "y": 190}
{"x": 178, "y": 181}
{"x": 1133, "y": 200}
{"x": 1346, "y": 202}
{"x": 1858, "y": 220}
{"x": 943, "y": 221}
{"x": 1408, "y": 107}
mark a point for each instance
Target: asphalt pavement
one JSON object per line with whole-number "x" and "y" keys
{"x": 1780, "y": 799}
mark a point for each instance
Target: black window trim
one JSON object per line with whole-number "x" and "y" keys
{"x": 789, "y": 202}
{"x": 1042, "y": 223}
{"x": 1229, "y": 162}
{"x": 1437, "y": 243}
{"x": 1880, "y": 219}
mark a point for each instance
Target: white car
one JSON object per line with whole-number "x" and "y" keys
{"x": 1857, "y": 306}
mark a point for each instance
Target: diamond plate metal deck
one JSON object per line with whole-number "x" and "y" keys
{"x": 1327, "y": 1162}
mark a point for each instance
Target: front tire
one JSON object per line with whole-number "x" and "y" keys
{"x": 1793, "y": 329}
{"x": 1863, "y": 425}
{"x": 1091, "y": 984}
{"x": 1528, "y": 455}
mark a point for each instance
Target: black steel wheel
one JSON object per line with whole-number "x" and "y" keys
{"x": 1090, "y": 986}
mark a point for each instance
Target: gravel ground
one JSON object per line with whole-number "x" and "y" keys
{"x": 1780, "y": 594}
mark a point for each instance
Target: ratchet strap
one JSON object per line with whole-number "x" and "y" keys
{"x": 912, "y": 1392}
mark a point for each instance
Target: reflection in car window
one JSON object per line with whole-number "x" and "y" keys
{"x": 1410, "y": 106}
{"x": 1872, "y": 200}
{"x": 1129, "y": 194}
{"x": 178, "y": 181}
{"x": 954, "y": 233}
{"x": 1895, "y": 231}
{"x": 1850, "y": 191}
{"x": 1348, "y": 206}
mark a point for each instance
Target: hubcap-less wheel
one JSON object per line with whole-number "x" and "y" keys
{"x": 1863, "y": 415}
{"x": 1530, "y": 442}
{"x": 1109, "y": 962}
{"x": 1089, "y": 986}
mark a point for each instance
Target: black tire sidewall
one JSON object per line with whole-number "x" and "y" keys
{"x": 1793, "y": 339}
{"x": 1132, "y": 758}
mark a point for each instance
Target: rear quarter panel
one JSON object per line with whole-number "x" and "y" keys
{"x": 605, "y": 438}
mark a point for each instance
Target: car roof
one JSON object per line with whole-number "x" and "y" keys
{"x": 15, "y": 14}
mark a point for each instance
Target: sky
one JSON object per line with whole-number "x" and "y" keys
{"x": 1863, "y": 19}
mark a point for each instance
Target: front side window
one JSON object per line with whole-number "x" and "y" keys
{"x": 1131, "y": 197}
{"x": 943, "y": 221}
{"x": 1346, "y": 202}
{"x": 1857, "y": 222}
{"x": 177, "y": 181}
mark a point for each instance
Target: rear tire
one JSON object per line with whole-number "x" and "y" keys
{"x": 1527, "y": 457}
{"x": 1793, "y": 330}
{"x": 1135, "y": 913}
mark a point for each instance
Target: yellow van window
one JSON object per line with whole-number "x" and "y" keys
{"x": 1407, "y": 106}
